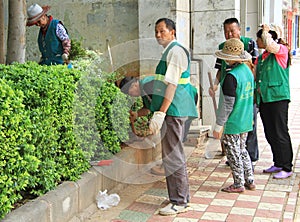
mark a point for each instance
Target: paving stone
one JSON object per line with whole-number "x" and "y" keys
{"x": 133, "y": 216}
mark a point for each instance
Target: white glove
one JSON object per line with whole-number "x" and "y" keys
{"x": 157, "y": 121}
{"x": 65, "y": 57}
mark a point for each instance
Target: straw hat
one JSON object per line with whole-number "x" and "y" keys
{"x": 35, "y": 12}
{"x": 233, "y": 50}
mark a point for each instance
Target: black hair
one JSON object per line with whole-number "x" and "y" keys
{"x": 279, "y": 41}
{"x": 230, "y": 21}
{"x": 126, "y": 83}
{"x": 273, "y": 34}
{"x": 170, "y": 24}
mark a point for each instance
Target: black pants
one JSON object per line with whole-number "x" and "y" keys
{"x": 251, "y": 143}
{"x": 274, "y": 116}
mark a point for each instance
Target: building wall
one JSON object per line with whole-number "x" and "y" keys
{"x": 208, "y": 17}
{"x": 149, "y": 12}
{"x": 128, "y": 27}
{"x": 98, "y": 24}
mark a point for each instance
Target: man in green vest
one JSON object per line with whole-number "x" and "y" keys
{"x": 172, "y": 104}
{"x": 53, "y": 39}
{"x": 144, "y": 87}
{"x": 232, "y": 29}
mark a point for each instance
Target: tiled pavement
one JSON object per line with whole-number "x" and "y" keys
{"x": 274, "y": 200}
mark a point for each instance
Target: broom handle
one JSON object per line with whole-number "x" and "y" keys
{"x": 213, "y": 97}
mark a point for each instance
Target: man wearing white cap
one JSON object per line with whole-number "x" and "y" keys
{"x": 53, "y": 39}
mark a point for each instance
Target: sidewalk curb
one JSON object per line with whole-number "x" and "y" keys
{"x": 76, "y": 201}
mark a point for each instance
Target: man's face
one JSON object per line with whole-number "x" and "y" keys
{"x": 163, "y": 35}
{"x": 42, "y": 22}
{"x": 232, "y": 31}
{"x": 134, "y": 89}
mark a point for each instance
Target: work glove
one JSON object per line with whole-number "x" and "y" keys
{"x": 156, "y": 122}
{"x": 65, "y": 57}
{"x": 218, "y": 131}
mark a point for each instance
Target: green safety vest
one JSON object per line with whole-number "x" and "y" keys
{"x": 272, "y": 79}
{"x": 241, "y": 118}
{"x": 50, "y": 46}
{"x": 183, "y": 103}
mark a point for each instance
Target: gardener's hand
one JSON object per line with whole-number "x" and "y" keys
{"x": 133, "y": 116}
{"x": 65, "y": 57}
{"x": 266, "y": 27}
{"x": 218, "y": 131}
{"x": 157, "y": 121}
{"x": 212, "y": 90}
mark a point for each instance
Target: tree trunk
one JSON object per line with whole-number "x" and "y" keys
{"x": 2, "y": 33}
{"x": 16, "y": 32}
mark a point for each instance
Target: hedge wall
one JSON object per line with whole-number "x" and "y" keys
{"x": 53, "y": 121}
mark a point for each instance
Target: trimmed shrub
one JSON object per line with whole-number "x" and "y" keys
{"x": 53, "y": 121}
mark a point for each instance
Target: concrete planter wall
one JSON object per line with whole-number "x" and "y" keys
{"x": 71, "y": 199}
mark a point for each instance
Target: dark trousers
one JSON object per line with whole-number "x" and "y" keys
{"x": 174, "y": 160}
{"x": 274, "y": 116}
{"x": 251, "y": 143}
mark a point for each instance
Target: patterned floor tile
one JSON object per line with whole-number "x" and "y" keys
{"x": 236, "y": 217}
{"x": 249, "y": 198}
{"x": 269, "y": 206}
{"x": 204, "y": 194}
{"x": 151, "y": 199}
{"x": 274, "y": 194}
{"x": 219, "y": 209}
{"x": 220, "y": 202}
{"x": 214, "y": 216}
{"x": 201, "y": 200}
{"x": 264, "y": 219}
{"x": 157, "y": 192}
{"x": 196, "y": 214}
{"x": 177, "y": 219}
{"x": 243, "y": 211}
{"x": 246, "y": 204}
{"x": 270, "y": 214}
{"x": 199, "y": 207}
{"x": 143, "y": 207}
{"x": 134, "y": 216}
{"x": 288, "y": 215}
{"x": 275, "y": 200}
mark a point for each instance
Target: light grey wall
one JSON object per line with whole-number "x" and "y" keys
{"x": 95, "y": 22}
{"x": 149, "y": 12}
{"x": 208, "y": 17}
{"x": 128, "y": 25}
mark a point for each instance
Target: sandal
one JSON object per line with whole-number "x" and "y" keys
{"x": 233, "y": 189}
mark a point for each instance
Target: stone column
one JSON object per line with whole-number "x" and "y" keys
{"x": 207, "y": 29}
{"x": 149, "y": 11}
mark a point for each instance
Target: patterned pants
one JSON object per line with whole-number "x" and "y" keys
{"x": 238, "y": 158}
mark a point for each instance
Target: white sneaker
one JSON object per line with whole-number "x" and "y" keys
{"x": 172, "y": 209}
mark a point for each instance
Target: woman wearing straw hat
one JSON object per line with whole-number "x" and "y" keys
{"x": 53, "y": 39}
{"x": 235, "y": 113}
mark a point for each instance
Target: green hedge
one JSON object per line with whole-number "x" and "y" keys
{"x": 46, "y": 131}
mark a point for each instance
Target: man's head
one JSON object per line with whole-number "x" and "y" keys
{"x": 165, "y": 31}
{"x": 37, "y": 15}
{"x": 232, "y": 28}
{"x": 131, "y": 86}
